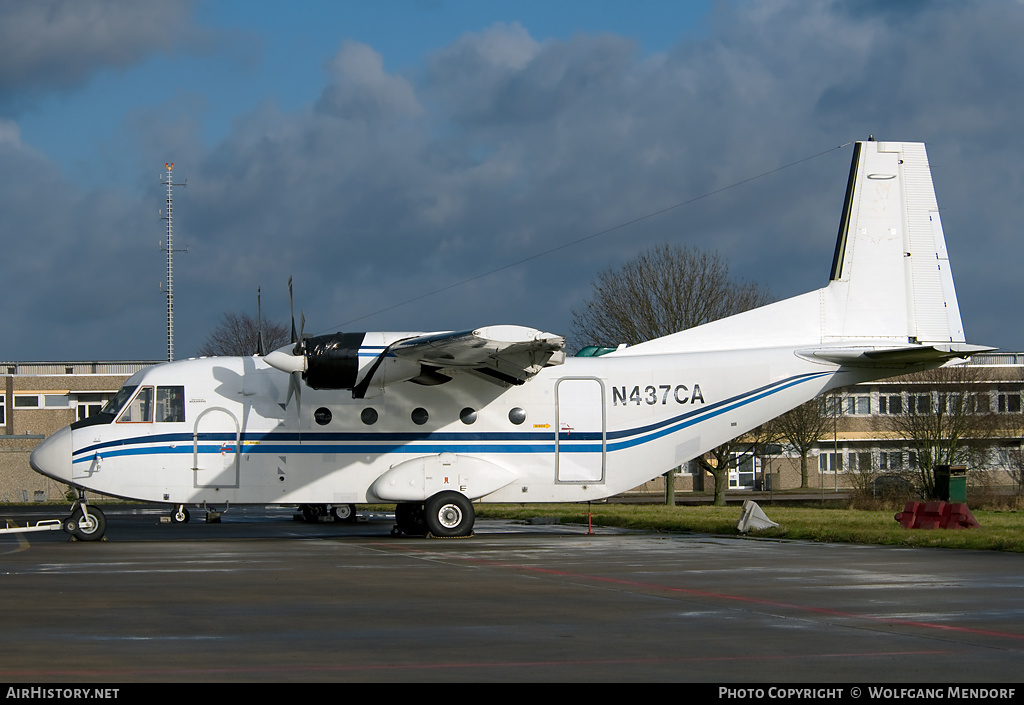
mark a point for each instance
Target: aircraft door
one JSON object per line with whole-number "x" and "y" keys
{"x": 580, "y": 445}
{"x": 216, "y": 441}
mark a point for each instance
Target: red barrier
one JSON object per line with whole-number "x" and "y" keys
{"x": 958, "y": 516}
{"x": 908, "y": 515}
{"x": 936, "y": 515}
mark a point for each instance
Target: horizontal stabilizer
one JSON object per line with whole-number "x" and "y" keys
{"x": 895, "y": 357}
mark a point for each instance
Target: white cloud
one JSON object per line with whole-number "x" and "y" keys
{"x": 10, "y": 133}
{"x": 59, "y": 43}
{"x": 360, "y": 89}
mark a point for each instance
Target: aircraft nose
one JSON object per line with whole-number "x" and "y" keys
{"x": 52, "y": 457}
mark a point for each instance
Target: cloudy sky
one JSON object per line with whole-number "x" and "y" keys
{"x": 387, "y": 155}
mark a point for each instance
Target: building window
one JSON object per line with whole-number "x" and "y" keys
{"x": 743, "y": 469}
{"x": 890, "y": 460}
{"x": 831, "y": 406}
{"x": 919, "y": 404}
{"x": 26, "y": 401}
{"x": 88, "y": 404}
{"x": 858, "y": 405}
{"x": 3, "y": 410}
{"x": 829, "y": 462}
{"x": 982, "y": 403}
{"x": 84, "y": 411}
{"x": 56, "y": 401}
{"x": 1008, "y": 403}
{"x": 890, "y": 404}
{"x": 859, "y": 462}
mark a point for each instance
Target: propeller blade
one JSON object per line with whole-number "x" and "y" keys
{"x": 295, "y": 362}
{"x": 259, "y": 324}
{"x": 296, "y": 384}
{"x": 294, "y": 390}
{"x": 291, "y": 306}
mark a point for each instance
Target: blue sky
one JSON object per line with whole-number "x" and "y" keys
{"x": 378, "y": 152}
{"x": 275, "y": 51}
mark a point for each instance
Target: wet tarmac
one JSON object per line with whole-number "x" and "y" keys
{"x": 262, "y": 598}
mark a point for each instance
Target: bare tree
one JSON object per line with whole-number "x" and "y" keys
{"x": 667, "y": 289}
{"x": 943, "y": 417}
{"x": 802, "y": 428}
{"x": 238, "y": 334}
{"x": 1015, "y": 468}
{"x": 719, "y": 461}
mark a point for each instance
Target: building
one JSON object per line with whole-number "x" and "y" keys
{"x": 876, "y": 424}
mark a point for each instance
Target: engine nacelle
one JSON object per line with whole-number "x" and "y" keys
{"x": 332, "y": 361}
{"x": 356, "y": 361}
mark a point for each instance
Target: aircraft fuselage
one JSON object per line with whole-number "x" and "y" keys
{"x": 587, "y": 429}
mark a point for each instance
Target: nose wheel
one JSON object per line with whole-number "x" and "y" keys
{"x": 85, "y": 523}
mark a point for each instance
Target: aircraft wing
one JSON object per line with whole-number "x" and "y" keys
{"x": 502, "y": 354}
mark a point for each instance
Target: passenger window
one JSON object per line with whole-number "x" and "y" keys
{"x": 140, "y": 409}
{"x": 170, "y": 404}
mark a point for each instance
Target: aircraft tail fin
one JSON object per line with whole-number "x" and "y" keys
{"x": 890, "y": 287}
{"x": 890, "y": 274}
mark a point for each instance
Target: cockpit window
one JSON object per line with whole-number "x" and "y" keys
{"x": 170, "y": 404}
{"x": 118, "y": 400}
{"x": 166, "y": 404}
{"x": 139, "y": 409}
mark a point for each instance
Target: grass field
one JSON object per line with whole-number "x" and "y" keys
{"x": 999, "y": 530}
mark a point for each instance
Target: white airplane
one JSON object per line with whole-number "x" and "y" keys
{"x": 434, "y": 422}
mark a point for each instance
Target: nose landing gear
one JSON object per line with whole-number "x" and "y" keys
{"x": 85, "y": 523}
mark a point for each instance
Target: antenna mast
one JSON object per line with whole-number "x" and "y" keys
{"x": 169, "y": 249}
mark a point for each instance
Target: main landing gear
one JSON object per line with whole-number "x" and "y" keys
{"x": 445, "y": 515}
{"x": 179, "y": 513}
{"x": 313, "y": 513}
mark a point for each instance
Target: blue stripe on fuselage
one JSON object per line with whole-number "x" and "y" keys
{"x": 362, "y": 443}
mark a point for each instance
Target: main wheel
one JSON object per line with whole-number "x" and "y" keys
{"x": 410, "y": 520}
{"x": 344, "y": 512}
{"x": 449, "y": 514}
{"x": 311, "y": 513}
{"x": 84, "y": 527}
